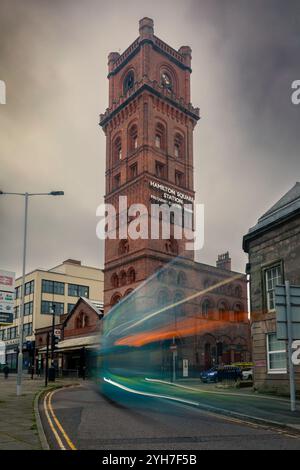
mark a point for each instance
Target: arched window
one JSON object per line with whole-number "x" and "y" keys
{"x": 123, "y": 278}
{"x": 123, "y": 247}
{"x": 163, "y": 298}
{"x": 181, "y": 279}
{"x": 115, "y": 280}
{"x": 238, "y": 312}
{"x": 171, "y": 246}
{"x": 129, "y": 291}
{"x": 128, "y": 82}
{"x": 131, "y": 275}
{"x": 80, "y": 321}
{"x": 133, "y": 138}
{"x": 178, "y": 146}
{"x": 86, "y": 321}
{"x": 115, "y": 299}
{"x": 223, "y": 312}
{"x": 160, "y": 136}
{"x": 117, "y": 149}
{"x": 205, "y": 308}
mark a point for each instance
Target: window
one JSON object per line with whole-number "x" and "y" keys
{"x": 160, "y": 136}
{"x": 273, "y": 277}
{"x": 29, "y": 288}
{"x": 18, "y": 292}
{"x": 28, "y": 308}
{"x": 133, "y": 138}
{"x": 205, "y": 308}
{"x": 117, "y": 149}
{"x": 238, "y": 313}
{"x": 133, "y": 171}
{"x": 115, "y": 280}
{"x": 17, "y": 311}
{"x": 128, "y": 82}
{"x": 115, "y": 299}
{"x": 75, "y": 290}
{"x": 223, "y": 312}
{"x": 53, "y": 287}
{"x": 11, "y": 333}
{"x": 160, "y": 170}
{"x": 276, "y": 354}
{"x": 47, "y": 308}
{"x": 70, "y": 306}
{"x": 131, "y": 275}
{"x": 178, "y": 146}
{"x": 179, "y": 178}
{"x": 27, "y": 329}
{"x": 117, "y": 181}
{"x": 2, "y": 335}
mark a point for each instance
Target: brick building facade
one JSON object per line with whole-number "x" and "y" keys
{"x": 273, "y": 246}
{"x": 149, "y": 128}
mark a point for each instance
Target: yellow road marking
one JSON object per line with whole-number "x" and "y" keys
{"x": 48, "y": 406}
{"x": 58, "y": 439}
{"x": 65, "y": 435}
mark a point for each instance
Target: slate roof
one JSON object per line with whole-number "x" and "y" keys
{"x": 285, "y": 208}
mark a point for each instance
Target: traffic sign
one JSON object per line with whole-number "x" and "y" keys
{"x": 287, "y": 304}
{"x": 281, "y": 312}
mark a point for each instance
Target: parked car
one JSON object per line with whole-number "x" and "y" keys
{"x": 247, "y": 374}
{"x": 210, "y": 375}
{"x": 220, "y": 373}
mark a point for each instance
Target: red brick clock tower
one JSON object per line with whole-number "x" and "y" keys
{"x": 149, "y": 150}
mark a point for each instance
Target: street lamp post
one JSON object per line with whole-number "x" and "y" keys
{"x": 21, "y": 324}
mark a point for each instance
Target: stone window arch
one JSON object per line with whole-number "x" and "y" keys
{"x": 115, "y": 299}
{"x": 181, "y": 279}
{"x": 160, "y": 136}
{"x": 238, "y": 310}
{"x": 114, "y": 280}
{"x": 117, "y": 149}
{"x": 223, "y": 309}
{"x": 178, "y": 146}
{"x": 131, "y": 276}
{"x": 205, "y": 308}
{"x": 163, "y": 297}
{"x": 238, "y": 291}
{"x": 132, "y": 138}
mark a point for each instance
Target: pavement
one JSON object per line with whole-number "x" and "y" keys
{"x": 18, "y": 426}
{"x": 83, "y": 418}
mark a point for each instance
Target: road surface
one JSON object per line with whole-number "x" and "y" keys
{"x": 81, "y": 418}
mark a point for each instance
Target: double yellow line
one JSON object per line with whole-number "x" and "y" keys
{"x": 62, "y": 438}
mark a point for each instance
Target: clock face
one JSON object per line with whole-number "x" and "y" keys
{"x": 166, "y": 80}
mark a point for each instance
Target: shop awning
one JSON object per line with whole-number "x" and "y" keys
{"x": 77, "y": 343}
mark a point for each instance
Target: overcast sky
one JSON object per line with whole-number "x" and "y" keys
{"x": 53, "y": 58}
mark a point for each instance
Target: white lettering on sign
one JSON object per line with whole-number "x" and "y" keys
{"x": 296, "y": 353}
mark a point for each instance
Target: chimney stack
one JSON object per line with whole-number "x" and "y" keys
{"x": 224, "y": 261}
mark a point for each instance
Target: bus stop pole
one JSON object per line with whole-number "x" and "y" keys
{"x": 290, "y": 349}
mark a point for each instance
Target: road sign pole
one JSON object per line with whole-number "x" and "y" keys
{"x": 290, "y": 349}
